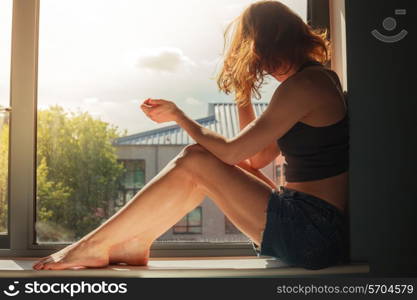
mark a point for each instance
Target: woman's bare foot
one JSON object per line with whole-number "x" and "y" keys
{"x": 132, "y": 252}
{"x": 82, "y": 254}
{"x": 76, "y": 255}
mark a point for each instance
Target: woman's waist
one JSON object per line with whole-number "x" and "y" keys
{"x": 333, "y": 190}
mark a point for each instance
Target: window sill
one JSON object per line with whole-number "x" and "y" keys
{"x": 184, "y": 267}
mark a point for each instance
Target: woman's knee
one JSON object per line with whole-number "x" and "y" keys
{"x": 192, "y": 156}
{"x": 193, "y": 148}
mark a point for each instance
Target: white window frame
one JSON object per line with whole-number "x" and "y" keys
{"x": 22, "y": 179}
{"x": 338, "y": 33}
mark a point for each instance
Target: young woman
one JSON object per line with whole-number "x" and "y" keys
{"x": 303, "y": 224}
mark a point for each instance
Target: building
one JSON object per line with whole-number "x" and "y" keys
{"x": 145, "y": 154}
{"x": 280, "y": 171}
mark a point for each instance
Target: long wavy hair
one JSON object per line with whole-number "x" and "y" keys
{"x": 267, "y": 37}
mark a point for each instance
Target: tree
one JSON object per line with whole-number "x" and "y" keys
{"x": 4, "y": 167}
{"x": 77, "y": 173}
{"x": 52, "y": 200}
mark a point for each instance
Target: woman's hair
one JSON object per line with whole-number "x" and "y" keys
{"x": 267, "y": 36}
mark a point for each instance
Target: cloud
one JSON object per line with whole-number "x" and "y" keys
{"x": 167, "y": 59}
{"x": 193, "y": 101}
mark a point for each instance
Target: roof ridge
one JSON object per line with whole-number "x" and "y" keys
{"x": 159, "y": 130}
{"x": 226, "y": 124}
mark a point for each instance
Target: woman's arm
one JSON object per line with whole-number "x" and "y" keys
{"x": 252, "y": 139}
{"x": 289, "y": 104}
{"x": 261, "y": 159}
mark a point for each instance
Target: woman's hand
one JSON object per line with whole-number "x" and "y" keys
{"x": 160, "y": 110}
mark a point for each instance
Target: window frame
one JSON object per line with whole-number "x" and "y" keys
{"x": 125, "y": 190}
{"x": 22, "y": 162}
{"x": 188, "y": 226}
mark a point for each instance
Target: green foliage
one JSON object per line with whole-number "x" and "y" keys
{"x": 52, "y": 200}
{"x": 4, "y": 163}
{"x": 77, "y": 173}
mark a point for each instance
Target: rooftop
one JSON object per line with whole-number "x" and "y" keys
{"x": 222, "y": 119}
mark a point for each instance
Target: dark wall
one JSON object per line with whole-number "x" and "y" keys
{"x": 318, "y": 13}
{"x": 383, "y": 115}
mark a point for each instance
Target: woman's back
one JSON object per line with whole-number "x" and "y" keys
{"x": 316, "y": 148}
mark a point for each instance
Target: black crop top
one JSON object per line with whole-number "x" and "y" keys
{"x": 313, "y": 153}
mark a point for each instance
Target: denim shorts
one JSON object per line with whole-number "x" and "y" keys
{"x": 303, "y": 231}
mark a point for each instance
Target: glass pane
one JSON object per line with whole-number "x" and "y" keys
{"x": 138, "y": 178}
{"x": 93, "y": 74}
{"x": 5, "y": 57}
{"x": 134, "y": 174}
{"x": 194, "y": 217}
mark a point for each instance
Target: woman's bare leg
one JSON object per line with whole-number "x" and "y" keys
{"x": 166, "y": 199}
{"x": 154, "y": 209}
{"x": 134, "y": 251}
{"x": 131, "y": 252}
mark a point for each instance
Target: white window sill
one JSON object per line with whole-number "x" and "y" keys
{"x": 181, "y": 267}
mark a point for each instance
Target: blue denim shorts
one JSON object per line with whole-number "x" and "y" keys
{"x": 303, "y": 231}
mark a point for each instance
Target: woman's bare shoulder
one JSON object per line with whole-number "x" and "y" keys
{"x": 317, "y": 82}
{"x": 303, "y": 87}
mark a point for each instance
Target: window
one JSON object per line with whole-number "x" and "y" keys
{"x": 89, "y": 78}
{"x": 278, "y": 175}
{"x": 230, "y": 228}
{"x": 5, "y": 42}
{"x": 132, "y": 180}
{"x": 190, "y": 223}
{"x": 278, "y": 171}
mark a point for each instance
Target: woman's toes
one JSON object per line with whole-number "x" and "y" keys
{"x": 38, "y": 266}
{"x": 40, "y": 262}
{"x": 81, "y": 256}
{"x": 58, "y": 265}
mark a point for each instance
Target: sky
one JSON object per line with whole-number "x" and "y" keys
{"x": 107, "y": 56}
